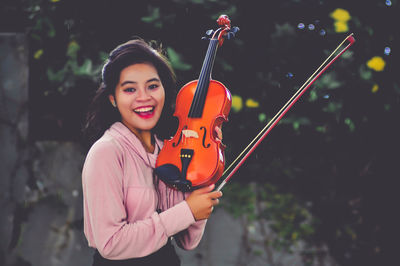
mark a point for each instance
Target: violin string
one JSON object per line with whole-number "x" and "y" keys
{"x": 202, "y": 89}
{"x": 202, "y": 81}
{"x": 283, "y": 110}
{"x": 196, "y": 98}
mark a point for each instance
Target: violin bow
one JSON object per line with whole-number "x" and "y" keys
{"x": 242, "y": 157}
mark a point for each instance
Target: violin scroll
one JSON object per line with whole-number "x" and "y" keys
{"x": 224, "y": 20}
{"x": 224, "y": 32}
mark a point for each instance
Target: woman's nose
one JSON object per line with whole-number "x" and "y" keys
{"x": 143, "y": 95}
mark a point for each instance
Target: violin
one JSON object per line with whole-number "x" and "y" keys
{"x": 194, "y": 157}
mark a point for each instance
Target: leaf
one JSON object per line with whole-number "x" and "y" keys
{"x": 296, "y": 121}
{"x": 262, "y": 117}
{"x": 328, "y": 81}
{"x": 313, "y": 96}
{"x": 52, "y": 30}
{"x": 38, "y": 54}
{"x": 154, "y": 15}
{"x": 347, "y": 54}
{"x": 56, "y": 76}
{"x": 321, "y": 129}
{"x": 332, "y": 107}
{"x": 350, "y": 124}
{"x": 103, "y": 56}
{"x": 365, "y": 73}
{"x": 73, "y": 48}
{"x": 176, "y": 61}
{"x": 225, "y": 65}
{"x": 85, "y": 68}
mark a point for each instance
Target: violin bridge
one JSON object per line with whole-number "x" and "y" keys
{"x": 188, "y": 133}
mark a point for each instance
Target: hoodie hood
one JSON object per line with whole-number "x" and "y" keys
{"x": 124, "y": 134}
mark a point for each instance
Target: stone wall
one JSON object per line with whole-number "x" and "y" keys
{"x": 14, "y": 151}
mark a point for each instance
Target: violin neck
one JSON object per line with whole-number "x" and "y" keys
{"x": 196, "y": 108}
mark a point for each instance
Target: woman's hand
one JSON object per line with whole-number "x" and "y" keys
{"x": 218, "y": 133}
{"x": 202, "y": 202}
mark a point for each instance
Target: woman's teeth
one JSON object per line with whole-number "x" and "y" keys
{"x": 144, "y": 109}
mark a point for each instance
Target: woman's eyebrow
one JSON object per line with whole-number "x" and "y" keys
{"x": 134, "y": 82}
{"x": 153, "y": 79}
{"x": 128, "y": 82}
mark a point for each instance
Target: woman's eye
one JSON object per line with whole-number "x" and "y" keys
{"x": 129, "y": 90}
{"x": 153, "y": 86}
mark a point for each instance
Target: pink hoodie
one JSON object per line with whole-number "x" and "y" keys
{"x": 120, "y": 218}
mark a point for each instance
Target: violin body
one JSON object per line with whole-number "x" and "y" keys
{"x": 205, "y": 164}
{"x": 194, "y": 157}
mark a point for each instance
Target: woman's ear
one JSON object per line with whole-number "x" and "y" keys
{"x": 112, "y": 100}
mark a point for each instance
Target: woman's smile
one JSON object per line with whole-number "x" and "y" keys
{"x": 145, "y": 111}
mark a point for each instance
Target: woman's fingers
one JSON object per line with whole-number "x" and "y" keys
{"x": 215, "y": 194}
{"x": 202, "y": 201}
{"x": 203, "y": 190}
{"x": 218, "y": 132}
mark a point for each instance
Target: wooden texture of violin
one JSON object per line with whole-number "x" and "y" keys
{"x": 194, "y": 158}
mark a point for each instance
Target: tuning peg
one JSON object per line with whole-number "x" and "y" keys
{"x": 230, "y": 35}
{"x": 235, "y": 29}
{"x": 205, "y": 38}
{"x": 209, "y": 32}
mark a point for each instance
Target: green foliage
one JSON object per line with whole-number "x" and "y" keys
{"x": 289, "y": 220}
{"x": 66, "y": 77}
{"x": 328, "y": 81}
{"x": 153, "y": 17}
{"x": 241, "y": 200}
{"x": 176, "y": 60}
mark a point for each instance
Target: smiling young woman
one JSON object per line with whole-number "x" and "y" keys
{"x": 130, "y": 215}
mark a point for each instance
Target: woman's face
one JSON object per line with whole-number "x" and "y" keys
{"x": 139, "y": 97}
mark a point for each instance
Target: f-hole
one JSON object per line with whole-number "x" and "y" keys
{"x": 180, "y": 137}
{"x": 204, "y": 138}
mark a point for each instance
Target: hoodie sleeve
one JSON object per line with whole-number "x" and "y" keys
{"x": 106, "y": 225}
{"x": 189, "y": 238}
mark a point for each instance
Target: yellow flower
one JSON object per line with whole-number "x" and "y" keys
{"x": 252, "y": 103}
{"x": 341, "y": 26}
{"x": 376, "y": 63}
{"x": 237, "y": 103}
{"x": 38, "y": 54}
{"x": 54, "y": 1}
{"x": 375, "y": 88}
{"x": 341, "y": 14}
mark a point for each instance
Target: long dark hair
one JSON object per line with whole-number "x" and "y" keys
{"x": 101, "y": 114}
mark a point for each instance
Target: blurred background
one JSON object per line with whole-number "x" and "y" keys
{"x": 320, "y": 190}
